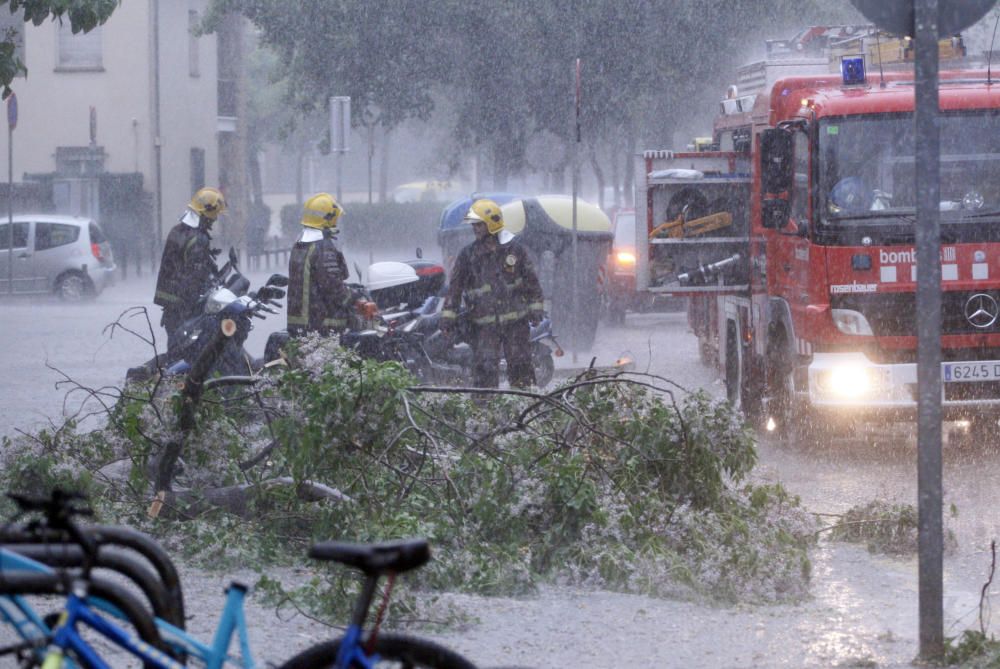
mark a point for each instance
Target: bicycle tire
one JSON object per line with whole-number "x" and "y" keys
{"x": 407, "y": 652}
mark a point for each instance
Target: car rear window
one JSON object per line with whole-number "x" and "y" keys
{"x": 20, "y": 236}
{"x": 96, "y": 234}
{"x": 51, "y": 235}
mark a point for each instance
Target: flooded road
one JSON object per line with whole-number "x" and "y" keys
{"x": 863, "y": 609}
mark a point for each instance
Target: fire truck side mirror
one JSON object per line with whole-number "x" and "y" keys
{"x": 774, "y": 213}
{"x": 776, "y": 152}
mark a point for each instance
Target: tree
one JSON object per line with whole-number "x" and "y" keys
{"x": 83, "y": 15}
{"x": 380, "y": 54}
{"x": 503, "y": 68}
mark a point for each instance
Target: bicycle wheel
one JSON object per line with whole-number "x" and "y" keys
{"x": 394, "y": 650}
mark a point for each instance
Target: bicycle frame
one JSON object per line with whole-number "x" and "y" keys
{"x": 232, "y": 621}
{"x": 65, "y": 636}
{"x": 89, "y": 596}
{"x": 351, "y": 652}
{"x": 15, "y": 610}
{"x": 18, "y": 613}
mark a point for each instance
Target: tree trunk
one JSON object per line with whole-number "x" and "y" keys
{"x": 256, "y": 185}
{"x": 238, "y": 499}
{"x": 630, "y": 167}
{"x": 559, "y": 178}
{"x": 616, "y": 182}
{"x": 501, "y": 173}
{"x": 383, "y": 170}
{"x": 299, "y": 159}
{"x": 595, "y": 165}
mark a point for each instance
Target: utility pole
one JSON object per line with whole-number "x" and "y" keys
{"x": 575, "y": 290}
{"x": 927, "y": 21}
{"x": 11, "y": 124}
{"x": 928, "y": 241}
{"x": 340, "y": 133}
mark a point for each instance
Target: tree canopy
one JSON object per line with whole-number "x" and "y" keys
{"x": 503, "y": 69}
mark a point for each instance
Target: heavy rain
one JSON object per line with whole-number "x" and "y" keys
{"x": 676, "y": 426}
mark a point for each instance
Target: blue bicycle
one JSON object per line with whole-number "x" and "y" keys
{"x": 163, "y": 645}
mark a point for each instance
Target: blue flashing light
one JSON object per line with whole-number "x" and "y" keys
{"x": 852, "y": 69}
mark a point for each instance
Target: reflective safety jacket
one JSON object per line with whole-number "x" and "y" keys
{"x": 497, "y": 283}
{"x": 186, "y": 267}
{"x": 318, "y": 299}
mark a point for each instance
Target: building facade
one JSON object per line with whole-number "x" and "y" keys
{"x": 125, "y": 122}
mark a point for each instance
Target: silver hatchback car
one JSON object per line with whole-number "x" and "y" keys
{"x": 65, "y": 255}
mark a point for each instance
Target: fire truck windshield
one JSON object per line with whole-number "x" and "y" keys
{"x": 866, "y": 169}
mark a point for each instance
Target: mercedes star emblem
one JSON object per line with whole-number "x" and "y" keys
{"x": 981, "y": 310}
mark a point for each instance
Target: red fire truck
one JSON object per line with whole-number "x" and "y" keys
{"x": 794, "y": 238}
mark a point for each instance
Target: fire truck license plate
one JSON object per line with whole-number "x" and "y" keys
{"x": 970, "y": 371}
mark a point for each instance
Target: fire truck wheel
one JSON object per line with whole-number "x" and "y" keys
{"x": 741, "y": 391}
{"x": 797, "y": 427}
{"x": 732, "y": 368}
{"x": 707, "y": 353}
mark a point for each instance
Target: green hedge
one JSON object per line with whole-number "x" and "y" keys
{"x": 392, "y": 224}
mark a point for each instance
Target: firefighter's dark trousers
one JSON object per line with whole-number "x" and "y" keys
{"x": 173, "y": 318}
{"x": 514, "y": 343}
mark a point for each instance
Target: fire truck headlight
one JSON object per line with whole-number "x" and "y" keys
{"x": 851, "y": 381}
{"x": 847, "y": 381}
{"x": 851, "y": 322}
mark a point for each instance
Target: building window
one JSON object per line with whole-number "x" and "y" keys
{"x": 197, "y": 169}
{"x": 81, "y": 51}
{"x": 12, "y": 29}
{"x": 193, "y": 56}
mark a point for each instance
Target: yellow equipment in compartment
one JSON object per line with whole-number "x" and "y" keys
{"x": 680, "y": 228}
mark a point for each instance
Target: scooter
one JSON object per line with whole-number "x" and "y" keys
{"x": 413, "y": 337}
{"x": 367, "y": 324}
{"x": 440, "y": 358}
{"x": 226, "y": 310}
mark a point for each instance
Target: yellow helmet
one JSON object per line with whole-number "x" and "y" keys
{"x": 208, "y": 202}
{"x": 489, "y": 213}
{"x": 321, "y": 211}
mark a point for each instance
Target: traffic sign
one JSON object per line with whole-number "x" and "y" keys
{"x": 896, "y": 16}
{"x": 340, "y": 123}
{"x": 12, "y": 111}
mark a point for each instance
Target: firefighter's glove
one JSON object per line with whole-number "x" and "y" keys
{"x": 366, "y": 308}
{"x": 214, "y": 253}
{"x": 535, "y": 317}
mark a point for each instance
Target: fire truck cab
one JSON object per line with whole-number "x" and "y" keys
{"x": 795, "y": 241}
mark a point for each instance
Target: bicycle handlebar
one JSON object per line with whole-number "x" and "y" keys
{"x": 58, "y": 510}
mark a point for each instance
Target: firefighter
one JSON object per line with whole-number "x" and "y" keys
{"x": 188, "y": 262}
{"x": 318, "y": 298}
{"x": 495, "y": 279}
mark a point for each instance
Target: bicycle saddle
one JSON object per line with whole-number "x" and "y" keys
{"x": 380, "y": 558}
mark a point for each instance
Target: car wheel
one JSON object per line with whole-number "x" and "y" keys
{"x": 71, "y": 287}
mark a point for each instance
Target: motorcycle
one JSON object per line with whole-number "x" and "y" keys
{"x": 384, "y": 327}
{"x": 414, "y": 338}
{"x": 220, "y": 330}
{"x": 439, "y": 358}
